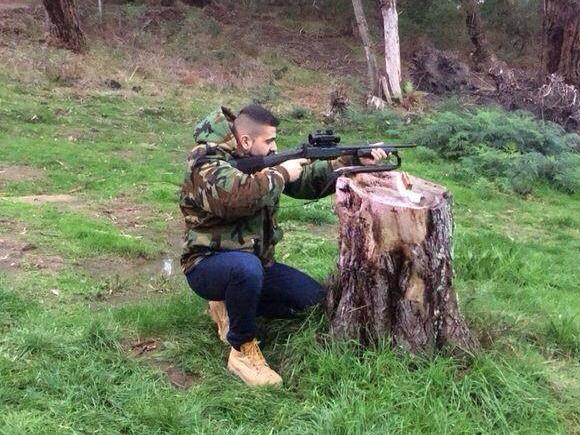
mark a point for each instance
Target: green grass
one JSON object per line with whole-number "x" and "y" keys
{"x": 64, "y": 363}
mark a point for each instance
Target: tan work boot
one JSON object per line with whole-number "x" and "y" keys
{"x": 251, "y": 366}
{"x": 218, "y": 313}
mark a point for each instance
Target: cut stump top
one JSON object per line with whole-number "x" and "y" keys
{"x": 395, "y": 205}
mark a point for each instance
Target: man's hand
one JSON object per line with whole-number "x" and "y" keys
{"x": 378, "y": 155}
{"x": 294, "y": 168}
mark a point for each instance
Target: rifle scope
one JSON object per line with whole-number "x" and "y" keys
{"x": 326, "y": 138}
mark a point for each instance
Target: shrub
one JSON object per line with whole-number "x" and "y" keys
{"x": 424, "y": 154}
{"x": 408, "y": 87}
{"x": 266, "y": 94}
{"x": 566, "y": 173}
{"x": 439, "y": 21}
{"x": 515, "y": 24}
{"x": 512, "y": 148}
{"x": 382, "y": 123}
{"x": 299, "y": 113}
{"x": 562, "y": 333}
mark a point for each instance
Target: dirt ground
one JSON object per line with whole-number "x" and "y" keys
{"x": 13, "y": 4}
{"x": 147, "y": 350}
{"x": 17, "y": 253}
{"x": 12, "y": 173}
{"x": 47, "y": 199}
{"x": 317, "y": 50}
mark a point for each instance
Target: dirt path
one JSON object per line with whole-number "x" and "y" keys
{"x": 8, "y": 5}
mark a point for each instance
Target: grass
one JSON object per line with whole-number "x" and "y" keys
{"x": 64, "y": 360}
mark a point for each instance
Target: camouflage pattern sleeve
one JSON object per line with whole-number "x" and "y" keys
{"x": 226, "y": 192}
{"x": 315, "y": 179}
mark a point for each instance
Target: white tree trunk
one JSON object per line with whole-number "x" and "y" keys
{"x": 392, "y": 51}
{"x": 363, "y": 29}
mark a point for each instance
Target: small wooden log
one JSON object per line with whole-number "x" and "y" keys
{"x": 395, "y": 265}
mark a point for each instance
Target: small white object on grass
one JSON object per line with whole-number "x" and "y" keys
{"x": 167, "y": 267}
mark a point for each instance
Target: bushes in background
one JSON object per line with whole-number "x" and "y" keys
{"x": 511, "y": 148}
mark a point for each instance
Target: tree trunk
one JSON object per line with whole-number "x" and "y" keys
{"x": 392, "y": 51}
{"x": 363, "y": 29}
{"x": 562, "y": 33}
{"x": 395, "y": 265}
{"x": 65, "y": 29}
{"x": 482, "y": 54}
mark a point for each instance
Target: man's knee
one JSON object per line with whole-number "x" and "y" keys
{"x": 247, "y": 268}
{"x": 313, "y": 295}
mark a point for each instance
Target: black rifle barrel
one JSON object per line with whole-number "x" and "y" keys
{"x": 250, "y": 165}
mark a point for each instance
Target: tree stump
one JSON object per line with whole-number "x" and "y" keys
{"x": 395, "y": 264}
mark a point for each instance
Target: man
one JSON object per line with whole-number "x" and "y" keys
{"x": 230, "y": 216}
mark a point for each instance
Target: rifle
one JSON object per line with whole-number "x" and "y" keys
{"x": 323, "y": 145}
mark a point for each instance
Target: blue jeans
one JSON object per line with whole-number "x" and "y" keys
{"x": 250, "y": 290}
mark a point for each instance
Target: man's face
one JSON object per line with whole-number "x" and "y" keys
{"x": 261, "y": 143}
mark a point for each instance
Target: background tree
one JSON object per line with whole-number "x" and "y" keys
{"x": 392, "y": 84}
{"x": 482, "y": 54}
{"x": 363, "y": 28}
{"x": 65, "y": 29}
{"x": 388, "y": 85}
{"x": 562, "y": 33}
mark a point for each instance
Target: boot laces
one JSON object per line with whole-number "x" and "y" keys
{"x": 252, "y": 351}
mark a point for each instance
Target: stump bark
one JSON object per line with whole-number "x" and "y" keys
{"x": 395, "y": 265}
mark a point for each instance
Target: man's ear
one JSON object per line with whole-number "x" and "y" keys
{"x": 245, "y": 142}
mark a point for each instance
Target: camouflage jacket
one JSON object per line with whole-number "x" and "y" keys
{"x": 225, "y": 209}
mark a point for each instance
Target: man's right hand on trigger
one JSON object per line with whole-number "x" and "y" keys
{"x": 294, "y": 168}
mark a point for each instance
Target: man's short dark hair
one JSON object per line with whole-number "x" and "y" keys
{"x": 260, "y": 115}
